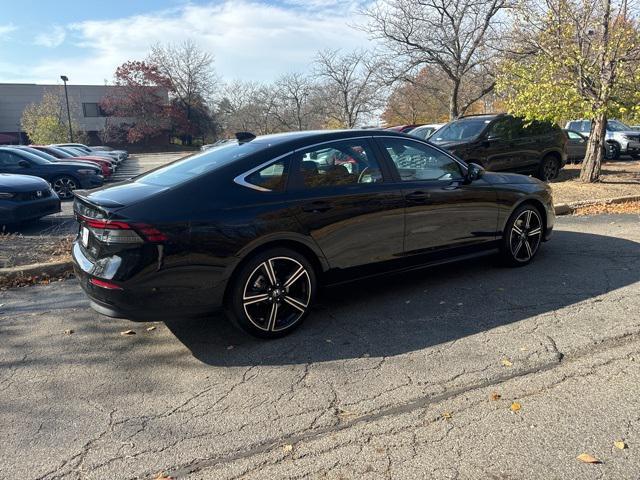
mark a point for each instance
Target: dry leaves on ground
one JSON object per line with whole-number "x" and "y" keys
{"x": 586, "y": 458}
{"x": 495, "y": 396}
{"x": 506, "y": 362}
{"x": 613, "y": 208}
{"x": 287, "y": 448}
{"x": 620, "y": 445}
{"x": 127, "y": 332}
{"x": 515, "y": 407}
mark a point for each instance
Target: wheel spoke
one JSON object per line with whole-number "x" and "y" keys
{"x": 528, "y": 247}
{"x": 517, "y": 229}
{"x": 527, "y": 222}
{"x": 294, "y": 277}
{"x": 518, "y": 247}
{"x": 268, "y": 267}
{"x": 272, "y": 317}
{"x": 255, "y": 299}
{"x": 535, "y": 231}
{"x": 296, "y": 303}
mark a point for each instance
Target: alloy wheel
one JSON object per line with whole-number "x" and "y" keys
{"x": 64, "y": 187}
{"x": 550, "y": 169}
{"x": 277, "y": 294}
{"x": 525, "y": 236}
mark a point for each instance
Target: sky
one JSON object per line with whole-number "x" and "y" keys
{"x": 249, "y": 39}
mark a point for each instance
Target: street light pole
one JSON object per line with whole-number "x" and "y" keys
{"x": 65, "y": 79}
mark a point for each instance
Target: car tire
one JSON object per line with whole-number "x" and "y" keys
{"x": 612, "y": 151}
{"x": 522, "y": 236}
{"x": 272, "y": 293}
{"x": 64, "y": 186}
{"x": 549, "y": 168}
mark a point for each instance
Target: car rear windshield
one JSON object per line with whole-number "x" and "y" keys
{"x": 461, "y": 130}
{"x": 190, "y": 167}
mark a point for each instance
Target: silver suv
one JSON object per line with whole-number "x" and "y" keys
{"x": 621, "y": 138}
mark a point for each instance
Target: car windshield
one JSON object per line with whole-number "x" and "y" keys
{"x": 190, "y": 167}
{"x": 616, "y": 126}
{"x": 461, "y": 130}
{"x": 41, "y": 154}
{"x": 69, "y": 151}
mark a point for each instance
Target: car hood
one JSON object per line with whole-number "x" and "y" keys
{"x": 496, "y": 178}
{"x": 120, "y": 195}
{"x": 21, "y": 183}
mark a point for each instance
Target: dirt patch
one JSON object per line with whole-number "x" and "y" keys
{"x": 611, "y": 208}
{"x": 17, "y": 250}
{"x": 619, "y": 179}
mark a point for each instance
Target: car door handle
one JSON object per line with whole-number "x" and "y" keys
{"x": 418, "y": 196}
{"x": 316, "y": 207}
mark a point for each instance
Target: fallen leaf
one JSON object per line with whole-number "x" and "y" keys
{"x": 128, "y": 332}
{"x": 506, "y": 362}
{"x": 515, "y": 407}
{"x": 460, "y": 304}
{"x": 230, "y": 347}
{"x": 345, "y": 413}
{"x": 328, "y": 340}
{"x": 68, "y": 332}
{"x": 162, "y": 476}
{"x": 151, "y": 328}
{"x": 443, "y": 302}
{"x": 446, "y": 416}
{"x": 620, "y": 444}
{"x": 501, "y": 289}
{"x": 287, "y": 448}
{"x": 365, "y": 355}
{"x": 381, "y": 450}
{"x": 495, "y": 396}
{"x": 586, "y": 458}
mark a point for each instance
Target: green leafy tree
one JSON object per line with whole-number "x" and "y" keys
{"x": 574, "y": 59}
{"x": 46, "y": 122}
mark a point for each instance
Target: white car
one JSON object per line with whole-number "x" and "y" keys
{"x": 425, "y": 131}
{"x": 103, "y": 150}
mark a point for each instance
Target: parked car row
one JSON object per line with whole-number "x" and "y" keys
{"x": 35, "y": 178}
{"x": 621, "y": 138}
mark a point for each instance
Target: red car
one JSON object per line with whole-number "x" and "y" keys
{"x": 105, "y": 164}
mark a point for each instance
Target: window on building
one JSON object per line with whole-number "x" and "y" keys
{"x": 92, "y": 110}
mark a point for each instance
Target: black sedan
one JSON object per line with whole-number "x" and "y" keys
{"x": 24, "y": 198}
{"x": 64, "y": 177}
{"x": 256, "y": 225}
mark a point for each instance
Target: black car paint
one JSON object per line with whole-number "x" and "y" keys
{"x": 49, "y": 170}
{"x": 32, "y": 198}
{"x": 213, "y": 224}
{"x": 519, "y": 154}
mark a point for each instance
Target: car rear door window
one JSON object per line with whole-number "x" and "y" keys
{"x": 417, "y": 161}
{"x": 346, "y": 162}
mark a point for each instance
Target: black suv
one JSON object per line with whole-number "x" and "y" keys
{"x": 506, "y": 143}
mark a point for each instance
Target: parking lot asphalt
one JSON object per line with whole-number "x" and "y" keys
{"x": 388, "y": 378}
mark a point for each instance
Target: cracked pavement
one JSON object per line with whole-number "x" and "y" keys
{"x": 359, "y": 391}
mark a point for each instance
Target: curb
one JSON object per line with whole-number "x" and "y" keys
{"x": 49, "y": 269}
{"x": 569, "y": 208}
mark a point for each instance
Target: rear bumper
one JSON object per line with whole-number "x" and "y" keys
{"x": 156, "y": 295}
{"x": 16, "y": 212}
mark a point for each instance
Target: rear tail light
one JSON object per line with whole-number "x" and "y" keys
{"x": 112, "y": 232}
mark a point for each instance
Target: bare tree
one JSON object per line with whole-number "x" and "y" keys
{"x": 350, "y": 88}
{"x": 191, "y": 77}
{"x": 294, "y": 95}
{"x": 457, "y": 37}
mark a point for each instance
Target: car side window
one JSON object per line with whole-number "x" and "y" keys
{"x": 347, "y": 162}
{"x": 416, "y": 161}
{"x": 574, "y": 135}
{"x": 503, "y": 128}
{"x": 272, "y": 177}
{"x": 8, "y": 159}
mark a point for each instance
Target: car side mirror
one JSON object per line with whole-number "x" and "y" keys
{"x": 474, "y": 172}
{"x": 24, "y": 164}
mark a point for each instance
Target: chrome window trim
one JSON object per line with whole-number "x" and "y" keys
{"x": 241, "y": 179}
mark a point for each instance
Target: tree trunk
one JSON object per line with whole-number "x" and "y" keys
{"x": 453, "y": 101}
{"x": 592, "y": 164}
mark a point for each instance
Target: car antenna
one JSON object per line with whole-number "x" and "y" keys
{"x": 244, "y": 137}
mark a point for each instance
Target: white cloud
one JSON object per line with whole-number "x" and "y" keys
{"x": 53, "y": 37}
{"x": 6, "y": 29}
{"x": 249, "y": 40}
